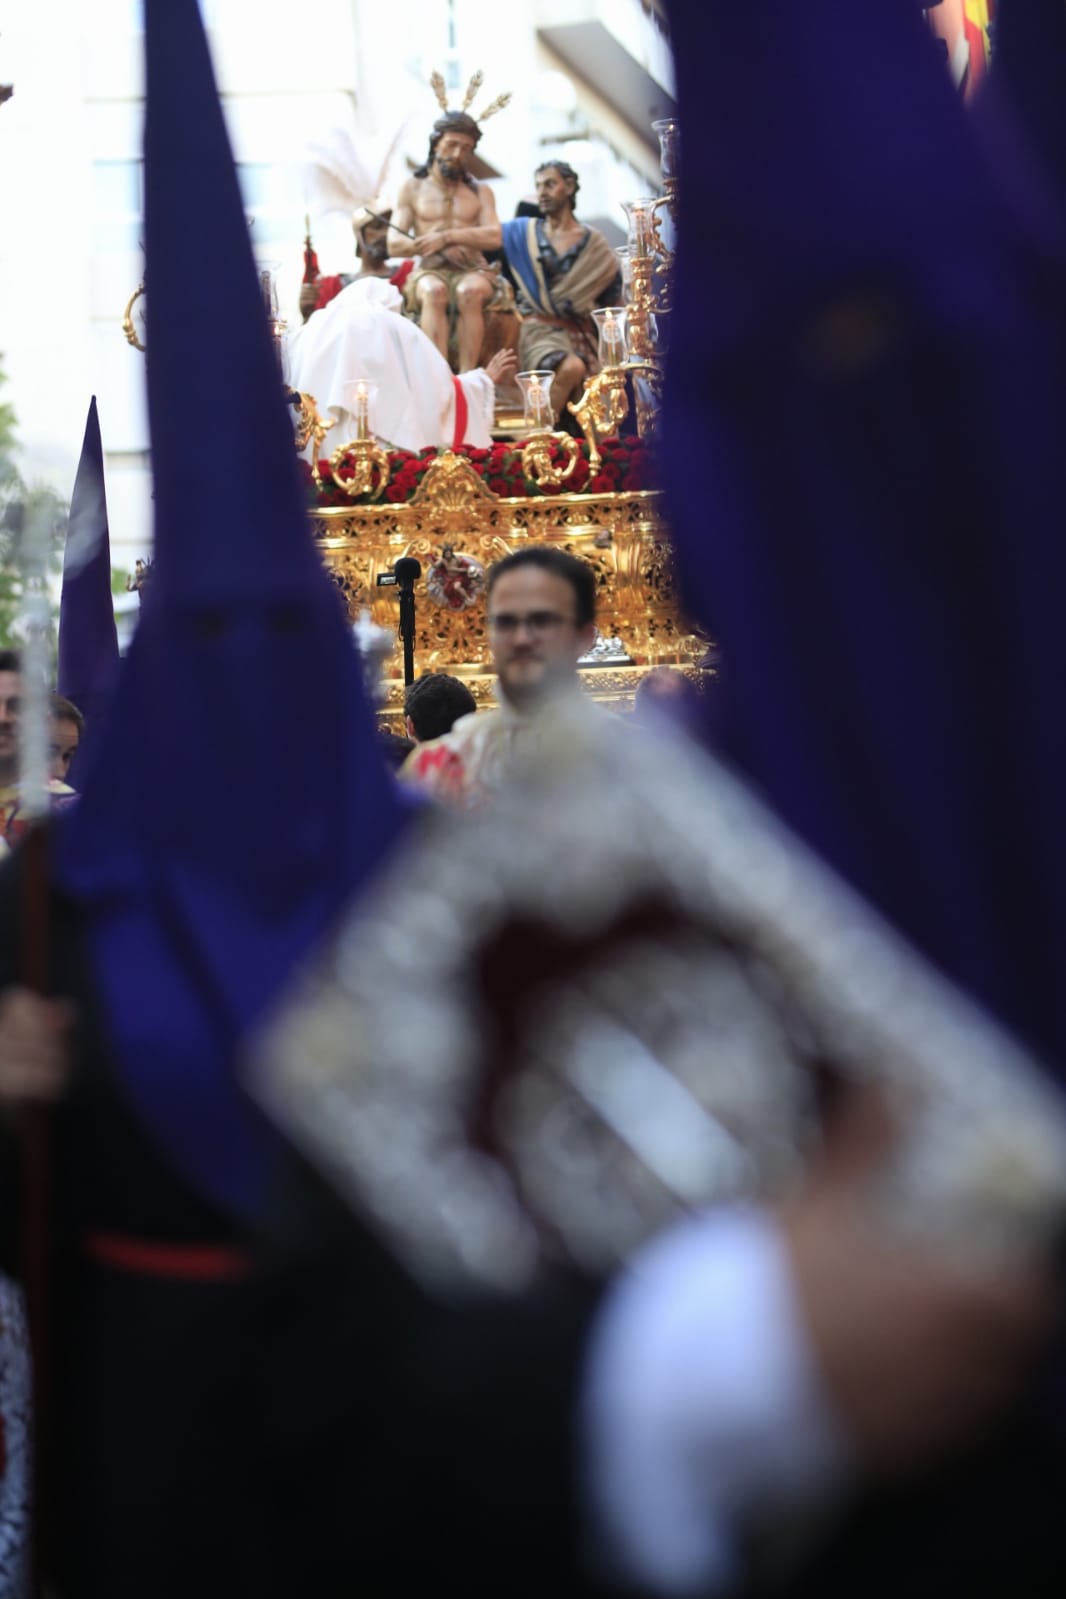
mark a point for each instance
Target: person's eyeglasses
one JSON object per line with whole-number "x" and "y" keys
{"x": 535, "y": 622}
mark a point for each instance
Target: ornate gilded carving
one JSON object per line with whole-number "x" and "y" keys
{"x": 368, "y": 468}
{"x": 129, "y": 327}
{"x": 311, "y": 428}
{"x": 601, "y": 410}
{"x": 451, "y": 485}
{"x": 621, "y": 536}
{"x": 539, "y": 464}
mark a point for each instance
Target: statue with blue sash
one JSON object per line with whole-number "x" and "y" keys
{"x": 562, "y": 270}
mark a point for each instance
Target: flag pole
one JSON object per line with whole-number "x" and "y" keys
{"x": 34, "y": 952}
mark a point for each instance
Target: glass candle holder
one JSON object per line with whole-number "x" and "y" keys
{"x": 359, "y": 396}
{"x": 279, "y": 332}
{"x": 268, "y": 287}
{"x": 626, "y": 267}
{"x": 611, "y": 326}
{"x": 669, "y": 133}
{"x": 641, "y": 214}
{"x": 537, "y": 416}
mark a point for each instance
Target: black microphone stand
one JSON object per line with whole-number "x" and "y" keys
{"x": 407, "y": 571}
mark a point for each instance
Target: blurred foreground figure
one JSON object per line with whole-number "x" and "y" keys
{"x": 873, "y": 375}
{"x": 172, "y": 914}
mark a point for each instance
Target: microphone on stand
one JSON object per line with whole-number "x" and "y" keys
{"x": 407, "y": 572}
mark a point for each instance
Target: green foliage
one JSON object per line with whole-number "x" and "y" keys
{"x": 24, "y": 506}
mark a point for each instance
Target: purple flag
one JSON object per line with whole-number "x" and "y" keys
{"x": 88, "y": 639}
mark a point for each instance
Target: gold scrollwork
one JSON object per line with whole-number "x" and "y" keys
{"x": 128, "y": 326}
{"x": 539, "y": 461}
{"x": 311, "y": 429}
{"x": 370, "y": 468}
{"x": 601, "y": 410}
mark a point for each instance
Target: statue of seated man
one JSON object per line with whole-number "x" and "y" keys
{"x": 563, "y": 270}
{"x": 370, "y": 228}
{"x": 449, "y": 282}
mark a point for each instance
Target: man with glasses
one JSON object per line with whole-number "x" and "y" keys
{"x": 541, "y": 621}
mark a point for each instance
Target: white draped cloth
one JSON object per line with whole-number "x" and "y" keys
{"x": 362, "y": 334}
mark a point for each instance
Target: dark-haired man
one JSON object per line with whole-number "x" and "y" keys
{"x": 438, "y": 196}
{"x": 541, "y": 620}
{"x": 434, "y": 703}
{"x": 563, "y": 271}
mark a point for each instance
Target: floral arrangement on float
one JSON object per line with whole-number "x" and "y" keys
{"x": 624, "y": 467}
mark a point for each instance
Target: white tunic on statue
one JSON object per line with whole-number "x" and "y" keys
{"x": 362, "y": 334}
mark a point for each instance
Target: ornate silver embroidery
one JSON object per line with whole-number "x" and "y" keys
{"x": 705, "y": 960}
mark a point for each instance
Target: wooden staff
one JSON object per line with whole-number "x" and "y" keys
{"x": 34, "y": 721}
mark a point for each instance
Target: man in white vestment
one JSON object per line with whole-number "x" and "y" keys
{"x": 540, "y": 621}
{"x": 419, "y": 401}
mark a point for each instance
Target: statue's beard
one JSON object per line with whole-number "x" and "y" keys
{"x": 451, "y": 171}
{"x": 377, "y": 253}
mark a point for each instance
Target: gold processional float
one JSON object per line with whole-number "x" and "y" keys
{"x": 457, "y": 512}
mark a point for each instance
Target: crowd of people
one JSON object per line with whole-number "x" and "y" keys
{"x": 237, "y": 1386}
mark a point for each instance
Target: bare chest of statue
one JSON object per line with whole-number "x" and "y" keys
{"x": 438, "y": 205}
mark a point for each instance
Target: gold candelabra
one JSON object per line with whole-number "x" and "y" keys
{"x": 635, "y": 363}
{"x": 365, "y": 464}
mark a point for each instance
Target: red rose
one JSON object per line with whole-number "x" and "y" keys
{"x": 396, "y": 493}
{"x": 498, "y": 485}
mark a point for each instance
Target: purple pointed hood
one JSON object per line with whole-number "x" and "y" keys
{"x": 238, "y": 800}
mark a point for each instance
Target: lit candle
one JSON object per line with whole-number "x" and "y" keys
{"x": 362, "y": 411}
{"x": 640, "y": 231}
{"x": 538, "y": 400}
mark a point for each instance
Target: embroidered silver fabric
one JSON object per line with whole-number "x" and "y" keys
{"x": 669, "y": 1065}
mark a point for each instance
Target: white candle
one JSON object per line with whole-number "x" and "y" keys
{"x": 539, "y": 404}
{"x": 362, "y": 411}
